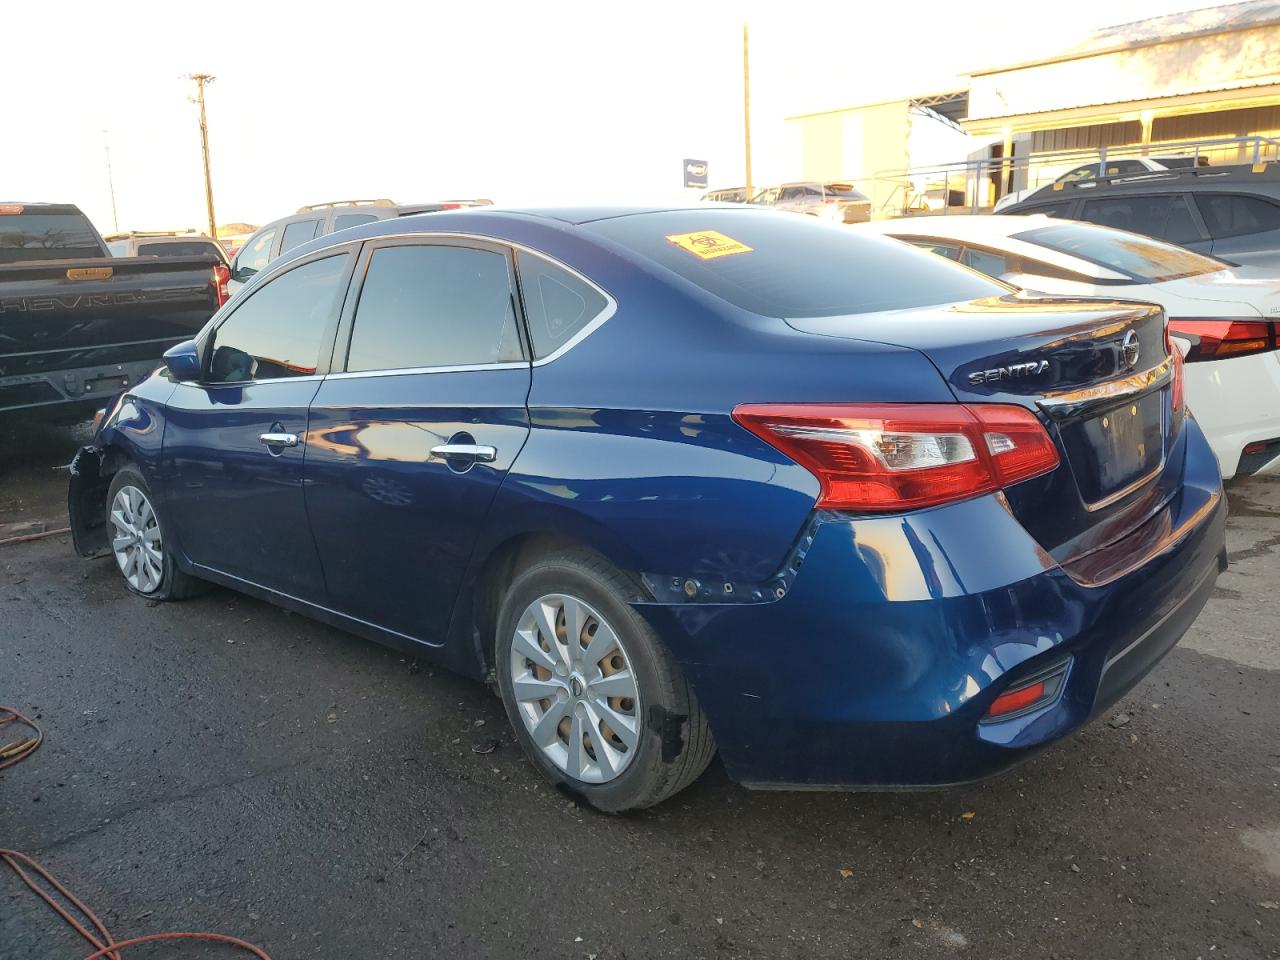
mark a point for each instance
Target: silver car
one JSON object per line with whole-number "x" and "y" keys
{"x": 834, "y": 201}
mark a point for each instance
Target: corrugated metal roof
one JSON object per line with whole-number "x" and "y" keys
{"x": 1164, "y": 29}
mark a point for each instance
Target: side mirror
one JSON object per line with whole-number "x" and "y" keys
{"x": 183, "y": 361}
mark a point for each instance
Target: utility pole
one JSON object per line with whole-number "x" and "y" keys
{"x": 201, "y": 79}
{"x": 111, "y": 184}
{"x": 746, "y": 107}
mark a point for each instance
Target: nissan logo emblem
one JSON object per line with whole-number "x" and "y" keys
{"x": 1129, "y": 349}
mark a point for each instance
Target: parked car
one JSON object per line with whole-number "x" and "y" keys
{"x": 1231, "y": 212}
{"x": 918, "y": 528}
{"x": 1112, "y": 167}
{"x": 838, "y": 202}
{"x": 76, "y": 324}
{"x": 147, "y": 244}
{"x": 732, "y": 195}
{"x": 320, "y": 220}
{"x": 1230, "y": 325}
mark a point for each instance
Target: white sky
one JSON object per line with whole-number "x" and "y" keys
{"x": 524, "y": 103}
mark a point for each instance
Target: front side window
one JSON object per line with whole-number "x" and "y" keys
{"x": 1140, "y": 258}
{"x": 1228, "y": 215}
{"x": 557, "y": 303}
{"x": 296, "y": 234}
{"x": 434, "y": 306}
{"x": 278, "y": 331}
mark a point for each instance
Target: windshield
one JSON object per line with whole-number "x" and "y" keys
{"x": 784, "y": 265}
{"x": 47, "y": 236}
{"x": 1139, "y": 258}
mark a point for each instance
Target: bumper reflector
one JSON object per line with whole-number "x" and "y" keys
{"x": 1027, "y": 696}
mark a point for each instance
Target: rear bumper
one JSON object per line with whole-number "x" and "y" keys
{"x": 1237, "y": 402}
{"x": 82, "y": 386}
{"x": 877, "y": 666}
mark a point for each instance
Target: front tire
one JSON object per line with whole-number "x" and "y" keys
{"x": 597, "y": 702}
{"x": 139, "y": 545}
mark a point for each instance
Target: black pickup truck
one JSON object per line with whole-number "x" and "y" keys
{"x": 78, "y": 325}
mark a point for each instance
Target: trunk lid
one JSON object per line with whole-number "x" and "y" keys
{"x": 1096, "y": 372}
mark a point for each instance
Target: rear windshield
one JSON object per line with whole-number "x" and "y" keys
{"x": 182, "y": 249}
{"x": 787, "y": 265}
{"x": 46, "y": 236}
{"x": 1137, "y": 257}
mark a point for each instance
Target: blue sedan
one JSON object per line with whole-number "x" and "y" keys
{"x": 684, "y": 482}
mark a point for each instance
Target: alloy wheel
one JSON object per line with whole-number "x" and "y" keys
{"x": 135, "y": 539}
{"x": 575, "y": 688}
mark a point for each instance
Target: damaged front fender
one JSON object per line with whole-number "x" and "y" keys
{"x": 86, "y": 501}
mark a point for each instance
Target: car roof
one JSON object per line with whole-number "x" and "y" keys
{"x": 1233, "y": 178}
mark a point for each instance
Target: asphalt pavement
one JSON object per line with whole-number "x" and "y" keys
{"x": 219, "y": 764}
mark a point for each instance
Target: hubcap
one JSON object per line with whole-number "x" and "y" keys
{"x": 575, "y": 689}
{"x": 135, "y": 539}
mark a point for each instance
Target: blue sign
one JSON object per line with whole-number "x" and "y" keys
{"x": 695, "y": 173}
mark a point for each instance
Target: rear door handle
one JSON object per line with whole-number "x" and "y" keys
{"x": 473, "y": 451}
{"x": 279, "y": 439}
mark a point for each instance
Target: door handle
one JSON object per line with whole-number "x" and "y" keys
{"x": 279, "y": 439}
{"x": 473, "y": 451}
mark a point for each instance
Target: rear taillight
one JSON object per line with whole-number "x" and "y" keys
{"x": 10, "y": 209}
{"x": 903, "y": 456}
{"x": 1220, "y": 339}
{"x": 1175, "y": 355}
{"x": 221, "y": 274}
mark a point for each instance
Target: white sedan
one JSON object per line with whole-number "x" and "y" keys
{"x": 1227, "y": 325}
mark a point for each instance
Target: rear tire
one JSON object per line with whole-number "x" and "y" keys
{"x": 600, "y": 707}
{"x": 139, "y": 541}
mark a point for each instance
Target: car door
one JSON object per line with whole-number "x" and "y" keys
{"x": 235, "y": 440}
{"x": 410, "y": 441}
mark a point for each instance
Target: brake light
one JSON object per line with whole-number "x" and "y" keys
{"x": 450, "y": 206}
{"x": 1175, "y": 354}
{"x": 904, "y": 456}
{"x": 221, "y": 275}
{"x": 10, "y": 209}
{"x": 1219, "y": 339}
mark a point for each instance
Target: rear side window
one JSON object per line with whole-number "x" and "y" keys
{"x": 46, "y": 236}
{"x": 783, "y": 265}
{"x": 1227, "y": 215}
{"x": 557, "y": 303}
{"x": 1061, "y": 209}
{"x": 345, "y": 220}
{"x": 278, "y": 331}
{"x": 1163, "y": 216}
{"x": 992, "y": 264}
{"x": 296, "y": 234}
{"x": 434, "y": 306}
{"x": 119, "y": 248}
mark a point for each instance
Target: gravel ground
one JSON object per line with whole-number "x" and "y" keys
{"x": 220, "y": 764}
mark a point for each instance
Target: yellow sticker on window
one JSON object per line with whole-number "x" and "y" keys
{"x": 708, "y": 244}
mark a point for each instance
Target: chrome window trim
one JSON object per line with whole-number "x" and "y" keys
{"x": 610, "y": 308}
{"x": 410, "y": 371}
{"x": 201, "y": 385}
